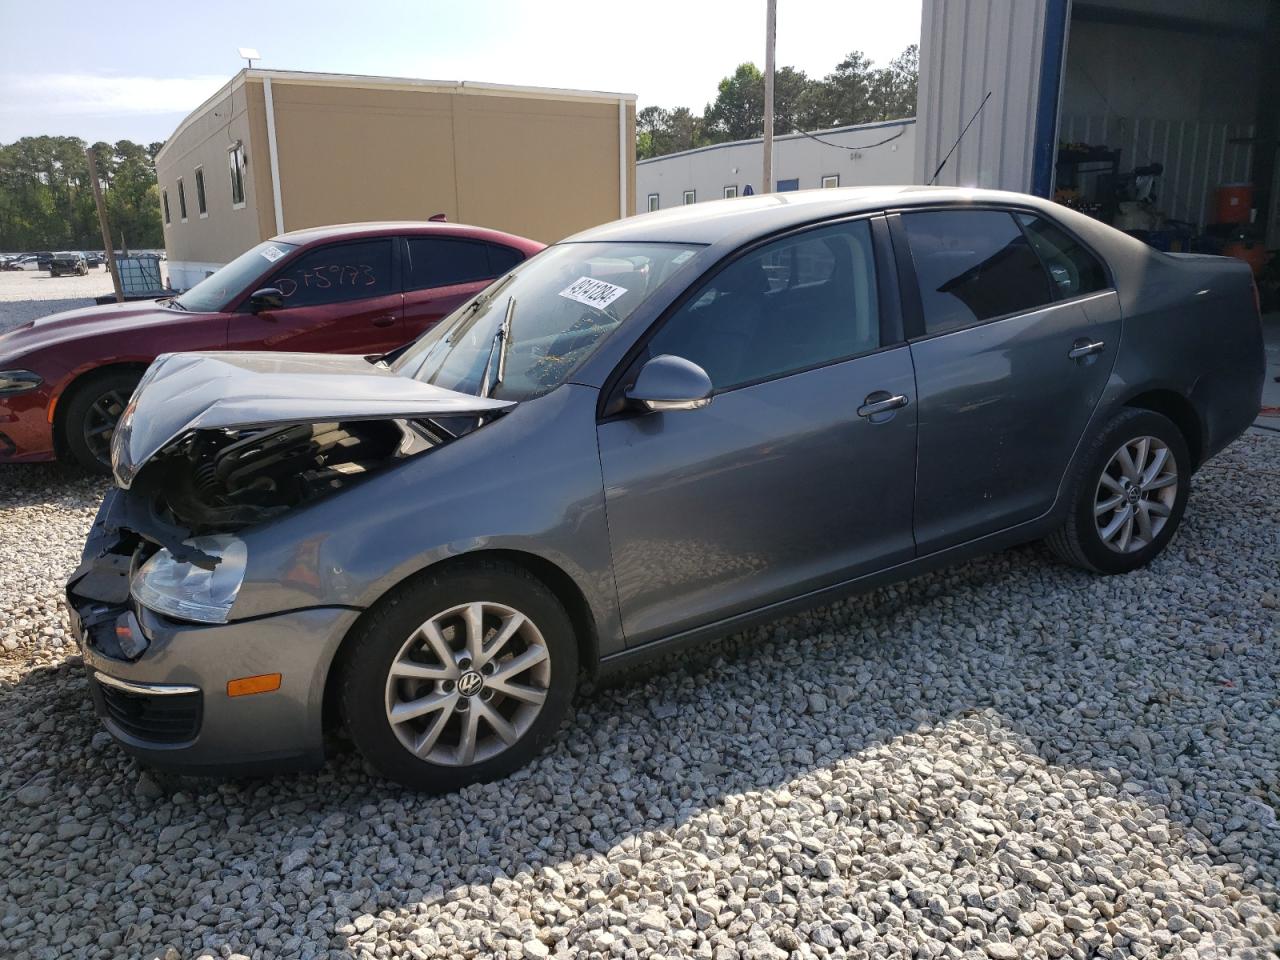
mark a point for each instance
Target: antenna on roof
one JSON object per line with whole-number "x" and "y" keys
{"x": 959, "y": 138}
{"x": 250, "y": 54}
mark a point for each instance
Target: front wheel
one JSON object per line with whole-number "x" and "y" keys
{"x": 459, "y": 676}
{"x": 1129, "y": 495}
{"x": 92, "y": 411}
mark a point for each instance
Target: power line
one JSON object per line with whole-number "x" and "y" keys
{"x": 841, "y": 146}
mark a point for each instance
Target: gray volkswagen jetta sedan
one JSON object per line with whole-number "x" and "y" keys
{"x": 658, "y": 431}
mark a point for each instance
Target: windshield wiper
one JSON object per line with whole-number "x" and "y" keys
{"x": 173, "y": 302}
{"x": 484, "y": 297}
{"x": 501, "y": 336}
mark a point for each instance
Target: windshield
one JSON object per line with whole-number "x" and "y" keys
{"x": 222, "y": 286}
{"x": 561, "y": 304}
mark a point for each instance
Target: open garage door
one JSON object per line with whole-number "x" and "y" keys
{"x": 1167, "y": 124}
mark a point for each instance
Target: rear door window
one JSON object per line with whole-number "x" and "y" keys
{"x": 337, "y": 274}
{"x": 1073, "y": 270}
{"x": 973, "y": 266}
{"x": 441, "y": 262}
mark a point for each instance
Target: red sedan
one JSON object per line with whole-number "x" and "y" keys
{"x": 354, "y": 288}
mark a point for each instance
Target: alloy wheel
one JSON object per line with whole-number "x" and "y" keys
{"x": 468, "y": 683}
{"x": 100, "y": 423}
{"x": 1136, "y": 494}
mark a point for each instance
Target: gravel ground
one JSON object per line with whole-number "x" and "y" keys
{"x": 26, "y": 295}
{"x": 30, "y": 294}
{"x": 1007, "y": 759}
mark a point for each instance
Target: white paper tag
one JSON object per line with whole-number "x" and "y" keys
{"x": 682, "y": 257}
{"x": 273, "y": 253}
{"x": 594, "y": 293}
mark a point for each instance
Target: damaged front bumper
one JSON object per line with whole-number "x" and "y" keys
{"x": 160, "y": 685}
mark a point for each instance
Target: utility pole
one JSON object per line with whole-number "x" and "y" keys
{"x": 770, "y": 30}
{"x": 102, "y": 222}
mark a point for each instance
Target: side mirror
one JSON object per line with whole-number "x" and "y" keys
{"x": 268, "y": 298}
{"x": 671, "y": 383}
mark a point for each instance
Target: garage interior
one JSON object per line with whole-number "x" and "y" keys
{"x": 1168, "y": 124}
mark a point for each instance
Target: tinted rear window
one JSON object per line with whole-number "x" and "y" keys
{"x": 973, "y": 265}
{"x": 1072, "y": 269}
{"x": 440, "y": 262}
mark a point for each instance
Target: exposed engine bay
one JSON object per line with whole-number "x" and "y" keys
{"x": 221, "y": 480}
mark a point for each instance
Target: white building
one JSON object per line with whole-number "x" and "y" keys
{"x": 862, "y": 155}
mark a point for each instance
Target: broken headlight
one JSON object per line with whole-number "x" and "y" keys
{"x": 188, "y": 592}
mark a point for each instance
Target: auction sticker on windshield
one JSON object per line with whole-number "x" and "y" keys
{"x": 594, "y": 293}
{"x": 272, "y": 253}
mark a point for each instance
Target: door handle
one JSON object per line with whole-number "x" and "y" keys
{"x": 384, "y": 321}
{"x": 881, "y": 402}
{"x": 1085, "y": 348}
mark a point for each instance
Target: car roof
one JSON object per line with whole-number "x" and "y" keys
{"x": 742, "y": 217}
{"x": 383, "y": 228}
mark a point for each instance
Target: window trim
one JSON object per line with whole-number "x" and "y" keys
{"x": 182, "y": 201}
{"x": 652, "y": 203}
{"x": 829, "y": 176}
{"x": 202, "y": 204}
{"x": 887, "y": 283}
{"x": 909, "y": 283}
{"x": 690, "y": 198}
{"x": 237, "y": 170}
{"x": 164, "y": 202}
{"x": 731, "y": 187}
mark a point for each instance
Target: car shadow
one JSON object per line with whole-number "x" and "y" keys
{"x": 1070, "y": 682}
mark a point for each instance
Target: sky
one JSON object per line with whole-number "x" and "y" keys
{"x": 132, "y": 70}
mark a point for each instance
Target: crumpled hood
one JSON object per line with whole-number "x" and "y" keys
{"x": 228, "y": 390}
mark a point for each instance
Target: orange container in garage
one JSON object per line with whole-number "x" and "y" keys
{"x": 1235, "y": 200}
{"x": 1251, "y": 252}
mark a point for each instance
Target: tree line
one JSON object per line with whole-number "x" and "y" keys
{"x": 857, "y": 91}
{"x": 46, "y": 197}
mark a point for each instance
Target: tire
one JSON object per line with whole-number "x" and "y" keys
{"x": 391, "y": 634}
{"x": 92, "y": 402}
{"x": 1080, "y": 540}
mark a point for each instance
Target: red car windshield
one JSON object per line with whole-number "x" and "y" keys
{"x": 216, "y": 291}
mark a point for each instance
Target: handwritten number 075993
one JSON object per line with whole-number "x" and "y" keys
{"x": 330, "y": 275}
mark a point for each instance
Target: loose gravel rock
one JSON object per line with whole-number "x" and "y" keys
{"x": 1006, "y": 759}
{"x": 29, "y": 294}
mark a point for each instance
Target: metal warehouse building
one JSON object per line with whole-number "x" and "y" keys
{"x": 274, "y": 151}
{"x": 863, "y": 155}
{"x": 1085, "y": 93}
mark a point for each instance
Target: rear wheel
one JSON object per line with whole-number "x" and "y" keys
{"x": 1129, "y": 495}
{"x": 460, "y": 676}
{"x": 91, "y": 414}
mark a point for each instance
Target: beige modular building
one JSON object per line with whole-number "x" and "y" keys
{"x": 274, "y": 151}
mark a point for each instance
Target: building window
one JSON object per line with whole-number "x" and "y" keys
{"x": 653, "y": 202}
{"x": 182, "y": 201}
{"x": 235, "y": 161}
{"x": 786, "y": 186}
{"x": 164, "y": 202}
{"x": 690, "y": 196}
{"x": 731, "y": 191}
{"x": 831, "y": 180}
{"x": 201, "y": 206}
